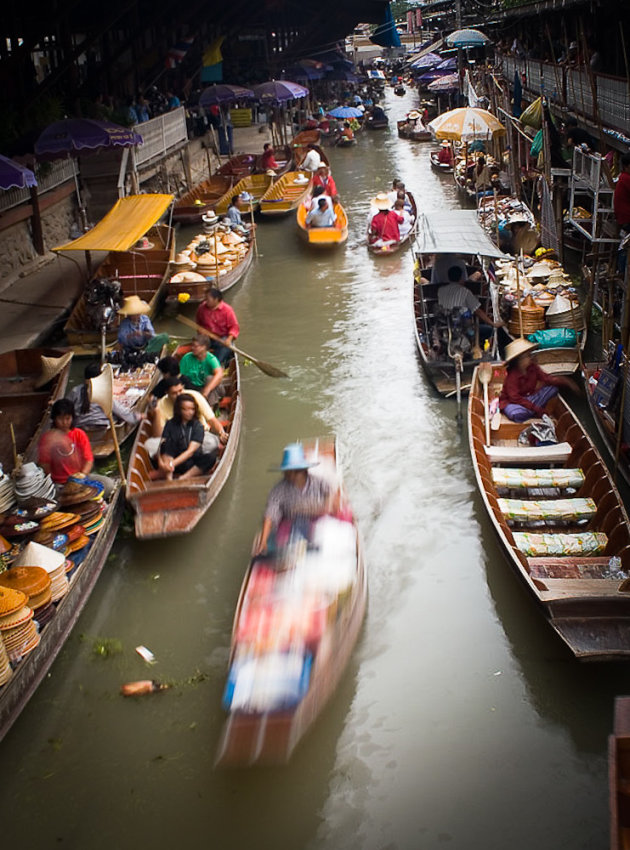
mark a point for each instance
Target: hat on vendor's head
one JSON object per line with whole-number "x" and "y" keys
{"x": 293, "y": 458}
{"x": 382, "y": 201}
{"x": 414, "y": 115}
{"x": 210, "y": 217}
{"x": 446, "y": 144}
{"x": 517, "y": 347}
{"x": 133, "y": 305}
{"x": 51, "y": 367}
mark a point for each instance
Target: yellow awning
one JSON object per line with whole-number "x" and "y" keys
{"x": 126, "y": 222}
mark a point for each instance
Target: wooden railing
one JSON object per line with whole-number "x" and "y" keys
{"x": 573, "y": 89}
{"x": 161, "y": 135}
{"x": 55, "y": 174}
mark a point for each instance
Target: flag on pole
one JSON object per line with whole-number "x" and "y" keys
{"x": 212, "y": 70}
{"x": 178, "y": 51}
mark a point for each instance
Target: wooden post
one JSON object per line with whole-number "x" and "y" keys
{"x": 36, "y": 222}
{"x": 558, "y": 209}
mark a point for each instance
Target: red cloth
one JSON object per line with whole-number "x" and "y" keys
{"x": 622, "y": 199}
{"x": 221, "y": 321}
{"x": 445, "y": 155}
{"x": 327, "y": 182}
{"x": 519, "y": 384}
{"x": 268, "y": 159}
{"x": 65, "y": 454}
{"x": 385, "y": 226}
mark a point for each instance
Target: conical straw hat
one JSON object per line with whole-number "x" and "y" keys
{"x": 51, "y": 367}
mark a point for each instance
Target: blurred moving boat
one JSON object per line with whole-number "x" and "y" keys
{"x": 441, "y": 167}
{"x": 297, "y": 621}
{"x": 559, "y": 519}
{"x": 419, "y": 133}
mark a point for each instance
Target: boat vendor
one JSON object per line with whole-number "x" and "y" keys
{"x": 165, "y": 407}
{"x": 234, "y": 213}
{"x": 295, "y": 501}
{"x": 65, "y": 451}
{"x": 454, "y": 295}
{"x": 320, "y": 214}
{"x": 385, "y": 226}
{"x": 181, "y": 452}
{"x": 527, "y": 388}
{"x": 88, "y": 414}
{"x": 268, "y": 160}
{"x": 346, "y": 132}
{"x": 445, "y": 154}
{"x": 312, "y": 160}
{"x": 202, "y": 369}
{"x": 220, "y": 319}
{"x": 324, "y": 178}
{"x": 136, "y": 331}
{"x": 516, "y": 234}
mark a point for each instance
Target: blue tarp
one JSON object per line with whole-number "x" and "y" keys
{"x": 386, "y": 34}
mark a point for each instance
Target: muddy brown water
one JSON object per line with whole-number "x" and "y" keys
{"x": 461, "y": 721}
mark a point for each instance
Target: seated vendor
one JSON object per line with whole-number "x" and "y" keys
{"x": 181, "y": 452}
{"x": 202, "y": 369}
{"x": 527, "y": 388}
{"x": 320, "y": 215}
{"x": 445, "y": 154}
{"x": 88, "y": 414}
{"x": 299, "y": 497}
{"x": 455, "y": 295}
{"x": 65, "y": 450}
{"x": 136, "y": 331}
{"x": 346, "y": 132}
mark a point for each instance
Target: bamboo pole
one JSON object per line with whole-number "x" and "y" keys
{"x": 518, "y": 297}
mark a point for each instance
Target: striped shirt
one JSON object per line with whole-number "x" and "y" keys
{"x": 288, "y": 502}
{"x": 453, "y": 295}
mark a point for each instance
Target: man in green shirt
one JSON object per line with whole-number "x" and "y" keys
{"x": 202, "y": 369}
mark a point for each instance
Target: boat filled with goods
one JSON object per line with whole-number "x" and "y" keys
{"x": 219, "y": 257}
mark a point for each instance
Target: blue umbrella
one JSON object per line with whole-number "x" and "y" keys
{"x": 345, "y": 112}
{"x": 15, "y": 176}
{"x": 467, "y": 38}
{"x": 279, "y": 91}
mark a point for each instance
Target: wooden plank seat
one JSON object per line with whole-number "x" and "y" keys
{"x": 516, "y": 479}
{"x": 569, "y": 567}
{"x": 557, "y": 453}
{"x": 540, "y": 544}
{"x": 529, "y": 510}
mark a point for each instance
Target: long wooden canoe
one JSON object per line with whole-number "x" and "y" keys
{"x": 141, "y": 272}
{"x": 323, "y": 237}
{"x": 440, "y": 167}
{"x": 22, "y": 404}
{"x": 619, "y": 776}
{"x": 191, "y": 206}
{"x": 387, "y": 250}
{"x": 167, "y": 508}
{"x": 325, "y": 637}
{"x": 255, "y": 184}
{"x": 195, "y": 289}
{"x": 560, "y": 520}
{"x": 418, "y": 134}
{"x": 286, "y": 193}
{"x": 29, "y": 673}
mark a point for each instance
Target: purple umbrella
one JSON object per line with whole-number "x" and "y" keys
{"x": 429, "y": 60}
{"x": 15, "y": 176}
{"x": 447, "y": 64}
{"x": 432, "y": 75}
{"x": 216, "y": 95}
{"x": 449, "y": 82}
{"x": 279, "y": 91}
{"x": 73, "y": 135}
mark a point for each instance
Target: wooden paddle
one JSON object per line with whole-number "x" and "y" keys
{"x": 485, "y": 375}
{"x": 476, "y": 351}
{"x": 267, "y": 368}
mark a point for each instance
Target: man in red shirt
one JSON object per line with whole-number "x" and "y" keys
{"x": 622, "y": 194}
{"x": 268, "y": 159}
{"x": 445, "y": 156}
{"x": 324, "y": 179}
{"x": 220, "y": 319}
{"x": 385, "y": 226}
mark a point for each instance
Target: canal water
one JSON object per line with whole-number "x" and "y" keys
{"x": 461, "y": 721}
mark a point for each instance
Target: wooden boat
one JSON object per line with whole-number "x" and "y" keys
{"x": 255, "y": 735}
{"x": 255, "y": 184}
{"x": 619, "y": 776}
{"x": 560, "y": 520}
{"x": 418, "y": 134}
{"x": 286, "y": 193}
{"x": 345, "y": 142}
{"x": 605, "y": 405}
{"x": 243, "y": 164}
{"x": 191, "y": 206}
{"x": 24, "y": 405}
{"x": 300, "y": 154}
{"x": 27, "y": 676}
{"x": 440, "y": 167}
{"x": 387, "y": 250}
{"x": 141, "y": 272}
{"x": 195, "y": 289}
{"x": 300, "y": 142}
{"x": 400, "y": 91}
{"x": 133, "y": 390}
{"x": 167, "y": 508}
{"x": 375, "y": 123}
{"x": 323, "y": 237}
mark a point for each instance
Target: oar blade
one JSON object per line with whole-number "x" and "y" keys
{"x": 270, "y": 370}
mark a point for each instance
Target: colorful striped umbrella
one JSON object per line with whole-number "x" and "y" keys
{"x": 466, "y": 124}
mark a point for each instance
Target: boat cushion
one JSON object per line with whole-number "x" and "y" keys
{"x": 524, "y": 510}
{"x": 521, "y": 478}
{"x": 557, "y": 453}
{"x": 538, "y": 545}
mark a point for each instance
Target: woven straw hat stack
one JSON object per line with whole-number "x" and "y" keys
{"x": 17, "y": 628}
{"x": 565, "y": 313}
{"x": 36, "y": 584}
{"x": 52, "y": 562}
{"x": 32, "y": 482}
{"x": 5, "y": 665}
{"x": 7, "y": 494}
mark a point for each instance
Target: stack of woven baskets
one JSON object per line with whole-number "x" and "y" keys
{"x": 564, "y": 313}
{"x": 533, "y": 318}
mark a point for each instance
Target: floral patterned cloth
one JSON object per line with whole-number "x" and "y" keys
{"x": 539, "y": 545}
{"x": 521, "y": 478}
{"x": 523, "y": 510}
